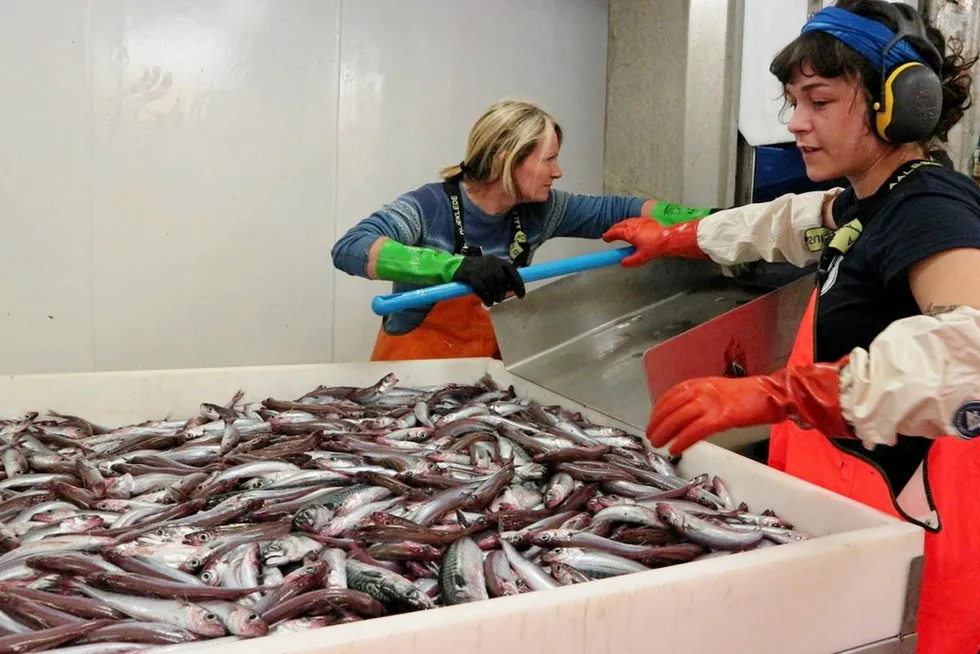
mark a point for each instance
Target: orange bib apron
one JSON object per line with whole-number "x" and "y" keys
{"x": 453, "y": 329}
{"x": 949, "y": 609}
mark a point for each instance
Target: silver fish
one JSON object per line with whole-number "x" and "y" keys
{"x": 592, "y": 562}
{"x": 704, "y": 532}
{"x": 182, "y": 614}
{"x": 461, "y": 577}
{"x": 386, "y": 586}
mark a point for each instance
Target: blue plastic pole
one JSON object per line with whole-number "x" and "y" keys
{"x": 385, "y": 304}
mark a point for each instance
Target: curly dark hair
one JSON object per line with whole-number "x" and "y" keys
{"x": 830, "y": 58}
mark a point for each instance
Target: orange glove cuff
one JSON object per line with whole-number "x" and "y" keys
{"x": 811, "y": 396}
{"x": 653, "y": 241}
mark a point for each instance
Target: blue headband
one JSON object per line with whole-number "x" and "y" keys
{"x": 868, "y": 37}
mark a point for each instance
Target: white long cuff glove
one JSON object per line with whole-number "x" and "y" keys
{"x": 920, "y": 377}
{"x": 787, "y": 229}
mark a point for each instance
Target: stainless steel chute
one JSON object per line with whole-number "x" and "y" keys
{"x": 613, "y": 338}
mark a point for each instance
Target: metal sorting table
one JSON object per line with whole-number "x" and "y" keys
{"x": 609, "y": 338}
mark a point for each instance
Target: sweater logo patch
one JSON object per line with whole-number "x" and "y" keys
{"x": 966, "y": 420}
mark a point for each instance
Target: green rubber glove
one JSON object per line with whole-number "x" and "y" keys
{"x": 668, "y": 213}
{"x": 415, "y": 265}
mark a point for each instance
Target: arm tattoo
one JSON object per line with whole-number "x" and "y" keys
{"x": 938, "y": 309}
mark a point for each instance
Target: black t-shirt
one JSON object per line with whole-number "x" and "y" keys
{"x": 914, "y": 215}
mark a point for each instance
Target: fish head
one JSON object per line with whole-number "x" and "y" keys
{"x": 512, "y": 537}
{"x": 120, "y": 487}
{"x": 206, "y": 623}
{"x": 532, "y": 471}
{"x": 418, "y": 599}
{"x": 192, "y": 565}
{"x": 774, "y": 521}
{"x": 340, "y": 461}
{"x": 311, "y": 517}
{"x": 417, "y": 434}
{"x": 552, "y": 556}
{"x": 307, "y": 572}
{"x": 8, "y": 539}
{"x": 255, "y": 483}
{"x": 111, "y": 506}
{"x": 74, "y": 432}
{"x": 276, "y": 553}
{"x": 550, "y": 537}
{"x": 210, "y": 577}
{"x": 427, "y": 467}
{"x": 198, "y": 538}
{"x": 162, "y": 534}
{"x": 553, "y": 496}
{"x": 247, "y": 623}
{"x": 563, "y": 573}
{"x": 87, "y": 522}
{"x": 560, "y": 554}
{"x": 671, "y": 515}
{"x": 505, "y": 501}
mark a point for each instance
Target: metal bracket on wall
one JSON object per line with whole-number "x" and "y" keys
{"x": 812, "y": 7}
{"x": 912, "y": 592}
{"x": 744, "y": 172}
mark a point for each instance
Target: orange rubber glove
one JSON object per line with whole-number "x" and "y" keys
{"x": 698, "y": 408}
{"x": 652, "y": 240}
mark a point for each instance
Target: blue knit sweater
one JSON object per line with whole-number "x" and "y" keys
{"x": 424, "y": 218}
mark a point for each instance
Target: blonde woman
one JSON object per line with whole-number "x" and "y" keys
{"x": 481, "y": 223}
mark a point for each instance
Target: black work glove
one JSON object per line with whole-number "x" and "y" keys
{"x": 490, "y": 278}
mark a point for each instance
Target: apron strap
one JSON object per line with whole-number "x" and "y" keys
{"x": 518, "y": 250}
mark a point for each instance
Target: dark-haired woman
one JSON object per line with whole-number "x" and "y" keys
{"x": 882, "y": 390}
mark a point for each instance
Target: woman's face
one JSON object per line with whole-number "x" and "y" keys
{"x": 535, "y": 175}
{"x": 830, "y": 123}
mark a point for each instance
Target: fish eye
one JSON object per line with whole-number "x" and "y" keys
{"x": 207, "y": 576}
{"x": 252, "y": 617}
{"x": 211, "y": 617}
{"x": 204, "y": 537}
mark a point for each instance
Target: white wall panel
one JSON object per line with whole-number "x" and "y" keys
{"x": 414, "y": 78}
{"x": 45, "y": 241}
{"x": 173, "y": 173}
{"x": 214, "y": 173}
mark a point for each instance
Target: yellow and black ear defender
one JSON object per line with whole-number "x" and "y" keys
{"x": 911, "y": 99}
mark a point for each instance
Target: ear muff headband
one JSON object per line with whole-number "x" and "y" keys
{"x": 868, "y": 37}
{"x": 910, "y": 102}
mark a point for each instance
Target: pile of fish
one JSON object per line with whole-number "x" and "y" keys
{"x": 345, "y": 504}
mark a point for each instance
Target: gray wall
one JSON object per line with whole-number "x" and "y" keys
{"x": 671, "y": 99}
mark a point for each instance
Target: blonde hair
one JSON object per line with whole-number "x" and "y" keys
{"x": 500, "y": 140}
